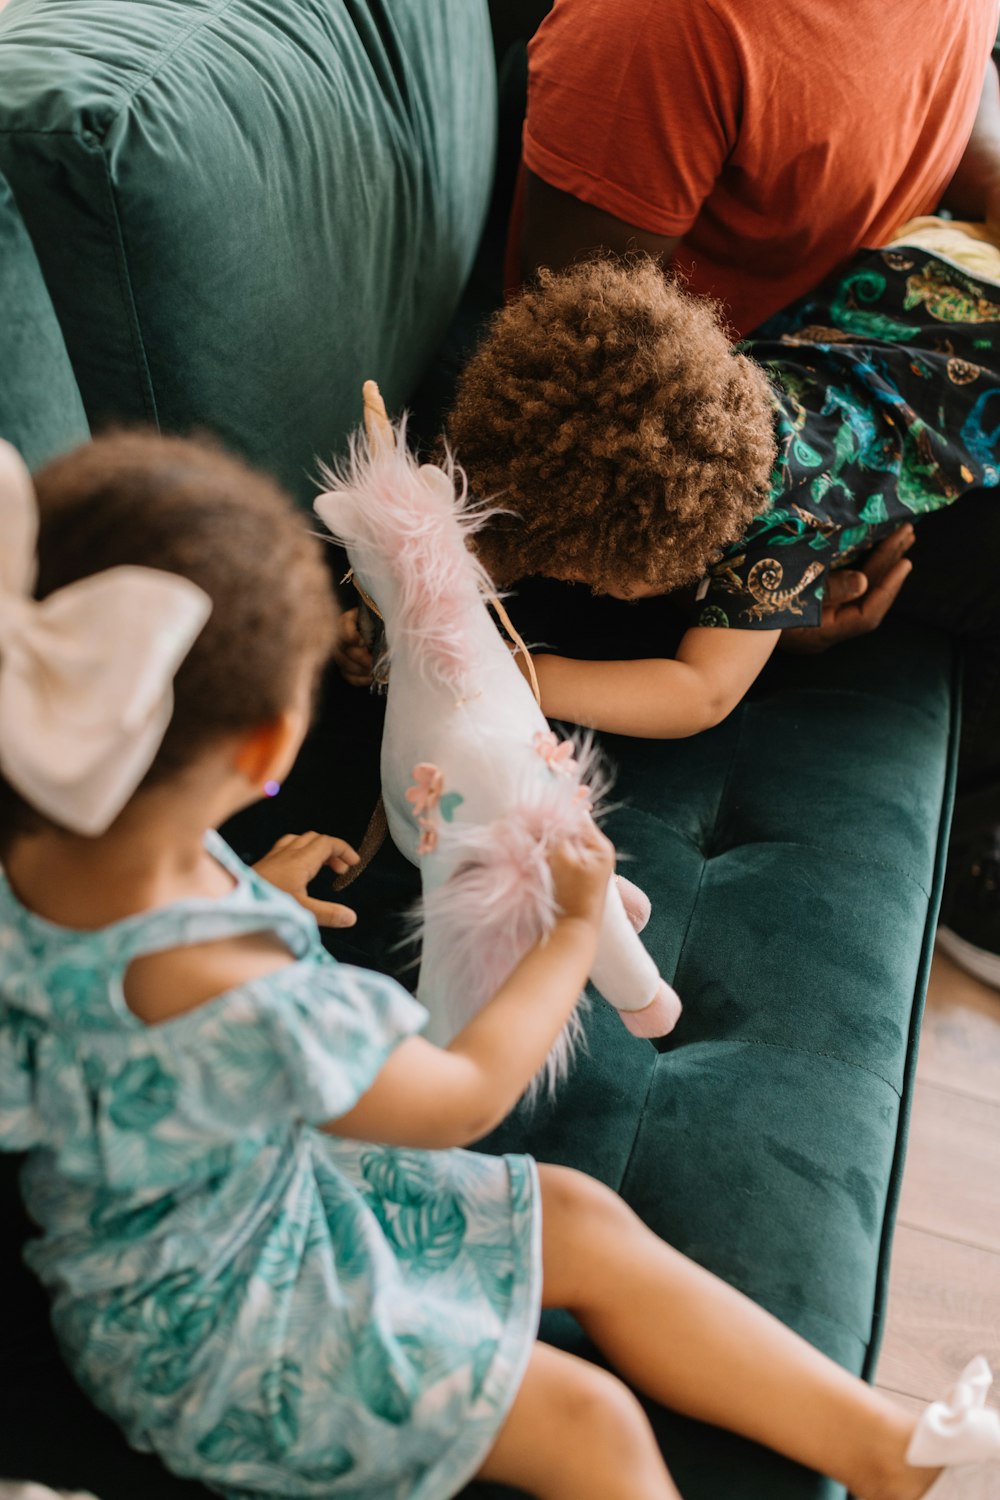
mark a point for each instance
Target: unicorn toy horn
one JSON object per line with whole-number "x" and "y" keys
{"x": 477, "y": 788}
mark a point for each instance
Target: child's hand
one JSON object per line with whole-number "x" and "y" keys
{"x": 298, "y": 858}
{"x": 351, "y": 654}
{"x": 581, "y": 869}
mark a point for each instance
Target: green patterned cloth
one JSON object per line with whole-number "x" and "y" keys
{"x": 887, "y": 387}
{"x": 271, "y": 1309}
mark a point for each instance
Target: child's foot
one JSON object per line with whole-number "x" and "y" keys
{"x": 961, "y": 1429}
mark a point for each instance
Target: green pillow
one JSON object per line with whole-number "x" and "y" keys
{"x": 40, "y": 408}
{"x": 242, "y": 208}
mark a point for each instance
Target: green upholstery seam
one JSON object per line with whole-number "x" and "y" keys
{"x": 197, "y": 24}
{"x": 680, "y": 953}
{"x": 128, "y": 299}
{"x": 856, "y": 854}
{"x": 93, "y": 144}
{"x": 840, "y": 692}
{"x": 19, "y": 130}
{"x": 640, "y": 1116}
{"x": 742, "y": 1041}
{"x": 916, "y": 1019}
{"x": 128, "y": 93}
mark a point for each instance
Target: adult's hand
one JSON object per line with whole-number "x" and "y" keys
{"x": 858, "y": 599}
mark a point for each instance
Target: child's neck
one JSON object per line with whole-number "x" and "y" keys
{"x": 154, "y": 854}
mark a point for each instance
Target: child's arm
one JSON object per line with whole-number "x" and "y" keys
{"x": 433, "y": 1097}
{"x": 658, "y": 699}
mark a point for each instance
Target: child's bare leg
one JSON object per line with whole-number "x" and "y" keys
{"x": 695, "y": 1344}
{"x": 576, "y": 1433}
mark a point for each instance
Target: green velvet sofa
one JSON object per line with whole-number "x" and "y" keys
{"x": 222, "y": 215}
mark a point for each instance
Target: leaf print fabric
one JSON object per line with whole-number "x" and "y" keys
{"x": 887, "y": 391}
{"x": 270, "y": 1308}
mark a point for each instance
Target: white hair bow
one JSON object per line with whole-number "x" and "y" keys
{"x": 86, "y": 675}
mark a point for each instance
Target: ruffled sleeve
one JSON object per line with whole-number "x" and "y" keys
{"x": 304, "y": 1044}
{"x": 334, "y": 1032}
{"x": 151, "y": 1106}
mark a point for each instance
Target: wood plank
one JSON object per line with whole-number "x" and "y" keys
{"x": 972, "y": 1482}
{"x": 951, "y": 1184}
{"x": 960, "y": 1041}
{"x": 944, "y": 1307}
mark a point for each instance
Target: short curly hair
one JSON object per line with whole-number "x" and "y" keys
{"x": 607, "y": 410}
{"x": 187, "y": 507}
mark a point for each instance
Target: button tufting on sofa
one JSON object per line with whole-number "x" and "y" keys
{"x": 231, "y": 213}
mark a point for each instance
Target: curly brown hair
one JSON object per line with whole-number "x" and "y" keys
{"x": 607, "y": 409}
{"x": 189, "y": 508}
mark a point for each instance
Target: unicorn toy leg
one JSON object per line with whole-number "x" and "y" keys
{"x": 635, "y": 901}
{"x": 628, "y": 978}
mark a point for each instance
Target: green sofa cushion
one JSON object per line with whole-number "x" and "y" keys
{"x": 40, "y": 408}
{"x": 244, "y": 207}
{"x": 794, "y": 858}
{"x": 794, "y": 855}
{"x": 795, "y": 913}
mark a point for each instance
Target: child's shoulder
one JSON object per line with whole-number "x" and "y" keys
{"x": 160, "y": 985}
{"x": 158, "y": 962}
{"x": 247, "y": 935}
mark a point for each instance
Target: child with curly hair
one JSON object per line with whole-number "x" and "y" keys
{"x": 630, "y": 446}
{"x": 269, "y": 1262}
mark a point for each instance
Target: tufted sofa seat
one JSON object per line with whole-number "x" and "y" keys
{"x": 223, "y": 214}
{"x": 794, "y": 859}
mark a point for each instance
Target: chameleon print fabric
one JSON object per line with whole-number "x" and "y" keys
{"x": 887, "y": 388}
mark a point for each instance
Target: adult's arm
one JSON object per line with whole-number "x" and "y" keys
{"x": 974, "y": 191}
{"x": 633, "y": 110}
{"x": 558, "y": 229}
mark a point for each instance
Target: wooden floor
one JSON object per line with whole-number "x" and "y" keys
{"x": 944, "y": 1302}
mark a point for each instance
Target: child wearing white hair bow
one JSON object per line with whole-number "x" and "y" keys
{"x": 267, "y": 1259}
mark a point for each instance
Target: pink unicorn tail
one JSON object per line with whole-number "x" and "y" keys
{"x": 495, "y": 906}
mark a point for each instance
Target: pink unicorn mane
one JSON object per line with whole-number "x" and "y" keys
{"x": 411, "y": 523}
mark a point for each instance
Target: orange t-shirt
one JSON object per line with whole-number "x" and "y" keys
{"x": 774, "y": 139}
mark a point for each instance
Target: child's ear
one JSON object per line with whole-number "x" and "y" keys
{"x": 268, "y": 752}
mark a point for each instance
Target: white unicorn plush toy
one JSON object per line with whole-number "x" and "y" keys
{"x": 476, "y": 787}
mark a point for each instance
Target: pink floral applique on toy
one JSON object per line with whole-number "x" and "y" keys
{"x": 428, "y": 837}
{"x": 556, "y": 753}
{"x": 425, "y": 793}
{"x": 428, "y": 799}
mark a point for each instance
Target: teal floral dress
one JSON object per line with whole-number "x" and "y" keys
{"x": 271, "y": 1309}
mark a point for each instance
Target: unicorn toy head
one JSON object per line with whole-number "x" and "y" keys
{"x": 476, "y": 786}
